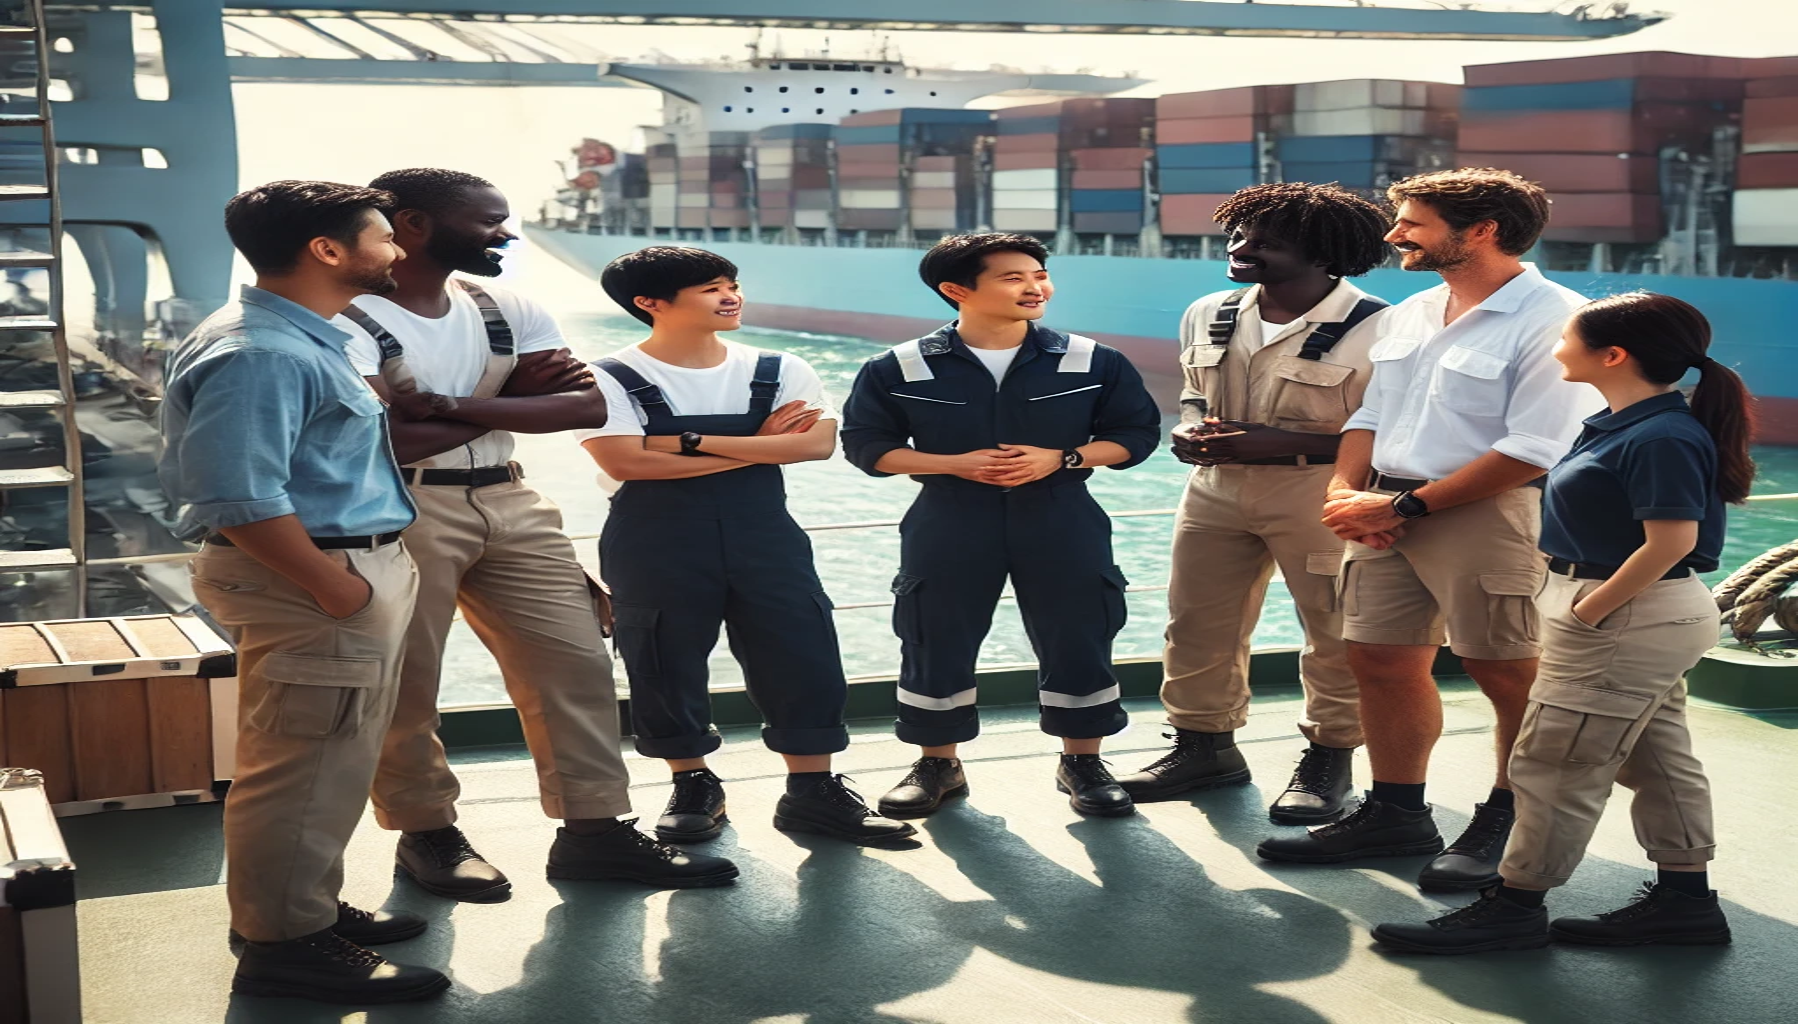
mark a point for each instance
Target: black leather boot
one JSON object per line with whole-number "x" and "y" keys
{"x": 443, "y": 863}
{"x": 1486, "y": 925}
{"x": 1471, "y": 862}
{"x": 1090, "y": 788}
{"x": 830, "y": 808}
{"x": 1199, "y": 760}
{"x": 695, "y": 813}
{"x": 930, "y": 781}
{"x": 327, "y": 968}
{"x": 1319, "y": 787}
{"x": 624, "y": 854}
{"x": 363, "y": 927}
{"x": 1658, "y": 916}
{"x": 1375, "y": 829}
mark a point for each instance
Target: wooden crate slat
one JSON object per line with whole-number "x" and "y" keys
{"x": 180, "y": 709}
{"x": 92, "y": 640}
{"x": 112, "y": 740}
{"x": 37, "y": 736}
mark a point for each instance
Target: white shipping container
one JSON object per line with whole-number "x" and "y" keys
{"x": 1023, "y": 220}
{"x": 771, "y": 157}
{"x": 1359, "y": 121}
{"x": 1026, "y": 199}
{"x": 1033, "y": 178}
{"x": 1355, "y": 92}
{"x": 811, "y": 218}
{"x": 933, "y": 220}
{"x": 1769, "y": 147}
{"x": 937, "y": 179}
{"x": 1767, "y": 216}
{"x": 689, "y": 200}
{"x": 869, "y": 199}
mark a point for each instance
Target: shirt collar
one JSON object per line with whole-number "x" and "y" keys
{"x": 1509, "y": 298}
{"x": 1633, "y": 414}
{"x": 945, "y": 338}
{"x": 315, "y": 326}
{"x": 1333, "y": 308}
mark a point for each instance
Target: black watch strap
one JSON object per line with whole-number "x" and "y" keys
{"x": 1409, "y": 506}
{"x": 1072, "y": 459}
{"x": 689, "y": 443}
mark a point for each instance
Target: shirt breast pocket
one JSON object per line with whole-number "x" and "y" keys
{"x": 1198, "y": 365}
{"x": 1312, "y": 394}
{"x": 1471, "y": 382}
{"x": 350, "y": 423}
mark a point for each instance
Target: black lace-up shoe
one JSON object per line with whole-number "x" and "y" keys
{"x": 1199, "y": 760}
{"x": 1375, "y": 830}
{"x": 1471, "y": 862}
{"x": 1320, "y": 785}
{"x": 695, "y": 813}
{"x": 1658, "y": 916}
{"x": 831, "y": 808}
{"x": 1087, "y": 781}
{"x": 443, "y": 863}
{"x": 931, "y": 781}
{"x": 1486, "y": 925}
{"x": 327, "y": 968}
{"x": 363, "y": 927}
{"x": 624, "y": 854}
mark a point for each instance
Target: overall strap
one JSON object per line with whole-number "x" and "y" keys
{"x": 1079, "y": 356}
{"x": 1324, "y": 337}
{"x": 911, "y": 361}
{"x": 765, "y": 385}
{"x": 393, "y": 358}
{"x": 499, "y": 333}
{"x": 1223, "y": 322}
{"x": 646, "y": 395}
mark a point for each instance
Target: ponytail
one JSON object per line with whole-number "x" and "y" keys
{"x": 1667, "y": 337}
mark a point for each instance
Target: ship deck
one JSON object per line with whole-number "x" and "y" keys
{"x": 1010, "y": 909}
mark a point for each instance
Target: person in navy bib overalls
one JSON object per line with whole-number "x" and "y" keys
{"x": 699, "y": 537}
{"x": 1002, "y": 420}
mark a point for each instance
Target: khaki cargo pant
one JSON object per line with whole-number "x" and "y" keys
{"x": 1609, "y": 706}
{"x": 314, "y": 698}
{"x": 499, "y": 551}
{"x": 1235, "y": 524}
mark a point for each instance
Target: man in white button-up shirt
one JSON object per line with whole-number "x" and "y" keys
{"x": 1434, "y": 488}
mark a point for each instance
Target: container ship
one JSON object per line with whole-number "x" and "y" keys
{"x": 821, "y": 177}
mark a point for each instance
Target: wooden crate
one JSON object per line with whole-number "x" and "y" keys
{"x": 40, "y": 970}
{"x": 114, "y": 712}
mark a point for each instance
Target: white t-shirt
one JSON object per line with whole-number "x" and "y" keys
{"x": 996, "y": 360}
{"x": 1270, "y": 331}
{"x": 713, "y": 391}
{"x": 448, "y": 355}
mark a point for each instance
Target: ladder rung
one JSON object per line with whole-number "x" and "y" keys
{"x": 30, "y": 399}
{"x": 26, "y": 323}
{"x": 49, "y": 476}
{"x": 22, "y": 120}
{"x": 19, "y": 561}
{"x": 26, "y": 258}
{"x": 24, "y": 192}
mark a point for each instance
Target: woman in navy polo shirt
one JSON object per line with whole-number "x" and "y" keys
{"x": 1629, "y": 519}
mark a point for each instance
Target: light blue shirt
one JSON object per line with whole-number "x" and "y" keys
{"x": 263, "y": 416}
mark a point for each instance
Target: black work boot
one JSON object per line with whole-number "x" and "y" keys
{"x": 443, "y": 863}
{"x": 1471, "y": 862}
{"x": 1375, "y": 830}
{"x": 1659, "y": 916}
{"x": 622, "y": 853}
{"x": 830, "y": 808}
{"x": 1486, "y": 925}
{"x": 1320, "y": 784}
{"x": 363, "y": 927}
{"x": 328, "y": 968}
{"x": 695, "y": 813}
{"x": 930, "y": 781}
{"x": 1087, "y": 781}
{"x": 1199, "y": 760}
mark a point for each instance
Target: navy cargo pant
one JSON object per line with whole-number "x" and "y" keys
{"x": 959, "y": 542}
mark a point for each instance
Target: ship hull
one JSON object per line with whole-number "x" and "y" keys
{"x": 1134, "y": 304}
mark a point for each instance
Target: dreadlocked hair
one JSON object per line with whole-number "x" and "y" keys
{"x": 1335, "y": 226}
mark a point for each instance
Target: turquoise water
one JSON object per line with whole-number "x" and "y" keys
{"x": 858, "y": 565}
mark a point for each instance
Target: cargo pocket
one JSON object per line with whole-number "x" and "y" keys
{"x": 634, "y": 637}
{"x": 1580, "y": 724}
{"x": 906, "y": 624}
{"x": 1117, "y": 608}
{"x": 1312, "y": 393}
{"x": 1511, "y": 607}
{"x": 1327, "y": 564}
{"x": 313, "y": 697}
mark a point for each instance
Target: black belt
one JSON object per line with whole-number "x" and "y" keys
{"x": 486, "y": 477}
{"x": 1574, "y": 570}
{"x": 1382, "y": 482}
{"x": 1290, "y": 460}
{"x": 367, "y": 542}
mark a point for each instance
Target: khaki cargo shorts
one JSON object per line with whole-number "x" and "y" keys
{"x": 1468, "y": 575}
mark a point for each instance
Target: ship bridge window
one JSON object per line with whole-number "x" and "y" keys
{"x": 749, "y": 88}
{"x": 819, "y": 90}
{"x": 786, "y": 110}
{"x": 783, "y": 88}
{"x": 889, "y": 71}
{"x": 889, "y": 92}
{"x": 748, "y": 110}
{"x": 820, "y": 110}
{"x": 855, "y": 92}
{"x": 800, "y": 67}
{"x": 844, "y": 67}
{"x": 727, "y": 108}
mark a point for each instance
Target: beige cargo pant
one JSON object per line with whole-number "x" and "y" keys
{"x": 314, "y": 697}
{"x": 1609, "y": 706}
{"x": 1235, "y": 524}
{"x": 499, "y": 551}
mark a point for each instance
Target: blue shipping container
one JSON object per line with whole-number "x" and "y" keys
{"x": 1206, "y": 180}
{"x": 1325, "y": 149}
{"x": 1109, "y": 200}
{"x": 1030, "y": 126}
{"x": 1610, "y": 94}
{"x": 1210, "y": 155}
{"x": 796, "y": 131}
{"x": 1351, "y": 174}
{"x": 940, "y": 115}
{"x": 868, "y": 135}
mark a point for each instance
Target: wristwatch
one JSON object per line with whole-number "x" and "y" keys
{"x": 1072, "y": 459}
{"x": 689, "y": 443}
{"x": 1409, "y": 506}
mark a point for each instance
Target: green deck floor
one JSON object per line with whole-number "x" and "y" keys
{"x": 1011, "y": 909}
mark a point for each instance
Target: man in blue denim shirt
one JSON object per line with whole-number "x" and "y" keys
{"x": 276, "y": 453}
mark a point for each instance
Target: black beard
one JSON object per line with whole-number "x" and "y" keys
{"x": 373, "y": 284}
{"x": 463, "y": 255}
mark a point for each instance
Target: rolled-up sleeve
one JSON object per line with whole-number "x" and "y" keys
{"x": 1368, "y": 416}
{"x": 1668, "y": 478}
{"x": 872, "y": 424}
{"x": 229, "y": 460}
{"x": 1127, "y": 414}
{"x": 1545, "y": 412}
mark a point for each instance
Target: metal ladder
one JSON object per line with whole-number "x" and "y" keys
{"x": 24, "y": 33}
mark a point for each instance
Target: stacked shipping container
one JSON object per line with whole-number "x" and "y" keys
{"x": 1766, "y": 199}
{"x": 663, "y": 159}
{"x": 1367, "y": 133}
{"x": 1107, "y": 142}
{"x": 876, "y": 153}
{"x": 1027, "y": 168}
{"x": 1210, "y": 144}
{"x": 714, "y": 182}
{"x": 792, "y": 176}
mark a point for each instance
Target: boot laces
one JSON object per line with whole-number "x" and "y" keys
{"x": 1313, "y": 773}
{"x": 692, "y": 793}
{"x": 925, "y": 772}
{"x": 647, "y": 843}
{"x": 1184, "y": 746}
{"x": 835, "y": 789}
{"x": 336, "y": 947}
{"x": 356, "y": 914}
{"x": 1645, "y": 901}
{"x": 1351, "y": 822}
{"x": 1475, "y": 912}
{"x": 1090, "y": 771}
{"x": 1485, "y": 831}
{"x": 447, "y": 846}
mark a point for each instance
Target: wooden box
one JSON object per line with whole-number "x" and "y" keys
{"x": 117, "y": 713}
{"x": 40, "y": 970}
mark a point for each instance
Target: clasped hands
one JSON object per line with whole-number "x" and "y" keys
{"x": 1366, "y": 517}
{"x": 1215, "y": 442}
{"x": 551, "y": 372}
{"x": 1009, "y": 465}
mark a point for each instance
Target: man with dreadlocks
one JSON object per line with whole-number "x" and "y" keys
{"x": 1271, "y": 371}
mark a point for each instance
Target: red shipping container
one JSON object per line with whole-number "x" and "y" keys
{"x": 1042, "y": 143}
{"x": 1025, "y": 161}
{"x": 1767, "y": 170}
{"x": 1769, "y": 67}
{"x": 866, "y": 170}
{"x": 719, "y": 202}
{"x": 869, "y": 220}
{"x": 1108, "y": 179}
{"x": 874, "y": 118}
{"x": 1642, "y": 130}
{"x": 1602, "y": 67}
{"x": 1442, "y": 96}
{"x": 1575, "y": 172}
{"x": 1051, "y": 109}
{"x": 1205, "y": 129}
{"x": 1191, "y": 214}
{"x": 1119, "y": 159}
{"x": 1244, "y": 102}
{"x": 809, "y": 176}
{"x": 774, "y": 200}
{"x": 943, "y": 163}
{"x": 865, "y": 184}
{"x": 880, "y": 153}
{"x": 1604, "y": 210}
{"x": 691, "y": 217}
{"x": 729, "y": 218}
{"x": 933, "y": 198}
{"x": 1766, "y": 88}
